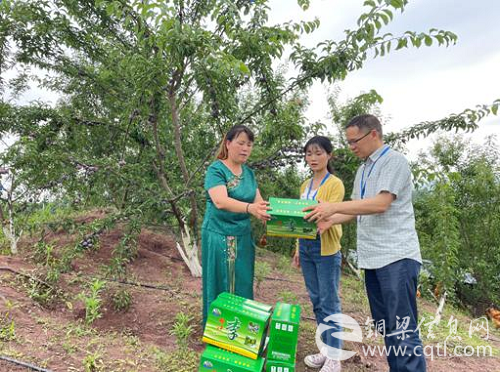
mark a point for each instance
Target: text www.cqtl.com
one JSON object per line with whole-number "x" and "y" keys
{"x": 431, "y": 351}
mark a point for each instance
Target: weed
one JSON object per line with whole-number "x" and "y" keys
{"x": 117, "y": 268}
{"x": 40, "y": 292}
{"x": 288, "y": 297}
{"x": 182, "y": 330}
{"x": 284, "y": 264}
{"x": 7, "y": 324}
{"x": 93, "y": 301}
{"x": 69, "y": 347}
{"x": 122, "y": 300}
{"x": 178, "y": 361}
{"x": 133, "y": 341}
{"x": 262, "y": 269}
{"x": 43, "y": 253}
{"x": 93, "y": 363}
{"x": 53, "y": 275}
{"x": 78, "y": 330}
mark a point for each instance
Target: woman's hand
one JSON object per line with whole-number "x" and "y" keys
{"x": 296, "y": 259}
{"x": 324, "y": 225}
{"x": 259, "y": 210}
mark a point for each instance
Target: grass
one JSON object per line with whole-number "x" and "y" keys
{"x": 288, "y": 297}
{"x": 176, "y": 361}
{"x": 456, "y": 328}
{"x": 353, "y": 295}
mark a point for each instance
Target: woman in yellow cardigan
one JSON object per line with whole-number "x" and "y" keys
{"x": 321, "y": 258}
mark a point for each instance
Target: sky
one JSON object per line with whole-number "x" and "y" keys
{"x": 417, "y": 85}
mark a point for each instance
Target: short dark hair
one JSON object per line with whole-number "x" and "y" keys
{"x": 231, "y": 135}
{"x": 323, "y": 143}
{"x": 366, "y": 121}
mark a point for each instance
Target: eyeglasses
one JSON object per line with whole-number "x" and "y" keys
{"x": 355, "y": 141}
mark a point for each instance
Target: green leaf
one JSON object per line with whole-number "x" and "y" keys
{"x": 304, "y": 4}
{"x": 402, "y": 43}
{"x": 244, "y": 69}
{"x": 398, "y": 4}
{"x": 388, "y": 13}
{"x": 385, "y": 18}
{"x": 428, "y": 40}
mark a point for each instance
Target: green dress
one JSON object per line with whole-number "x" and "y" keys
{"x": 228, "y": 251}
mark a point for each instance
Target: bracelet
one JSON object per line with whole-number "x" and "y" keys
{"x": 248, "y": 205}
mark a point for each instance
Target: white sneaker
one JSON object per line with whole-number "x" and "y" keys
{"x": 315, "y": 360}
{"x": 331, "y": 366}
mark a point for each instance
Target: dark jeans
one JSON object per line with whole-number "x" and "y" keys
{"x": 322, "y": 279}
{"x": 392, "y": 293}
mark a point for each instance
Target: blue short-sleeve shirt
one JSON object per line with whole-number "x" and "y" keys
{"x": 387, "y": 237}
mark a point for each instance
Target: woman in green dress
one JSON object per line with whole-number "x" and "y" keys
{"x": 228, "y": 251}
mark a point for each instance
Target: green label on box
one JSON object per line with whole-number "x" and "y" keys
{"x": 287, "y": 219}
{"x": 214, "y": 359}
{"x": 257, "y": 305}
{"x": 237, "y": 325}
{"x": 284, "y": 333}
{"x": 276, "y": 366}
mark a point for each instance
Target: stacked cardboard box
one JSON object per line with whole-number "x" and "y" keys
{"x": 287, "y": 219}
{"x": 283, "y": 338}
{"x": 236, "y": 328}
{"x": 215, "y": 359}
{"x": 237, "y": 324}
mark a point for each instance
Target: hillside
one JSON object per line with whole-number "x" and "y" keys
{"x": 138, "y": 327}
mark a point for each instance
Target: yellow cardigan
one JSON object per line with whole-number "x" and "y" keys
{"x": 331, "y": 191}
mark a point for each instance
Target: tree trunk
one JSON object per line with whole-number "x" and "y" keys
{"x": 439, "y": 311}
{"x": 193, "y": 223}
{"x": 189, "y": 252}
{"x": 188, "y": 248}
{"x": 10, "y": 230}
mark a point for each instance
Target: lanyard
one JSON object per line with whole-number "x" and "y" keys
{"x": 310, "y": 186}
{"x": 363, "y": 184}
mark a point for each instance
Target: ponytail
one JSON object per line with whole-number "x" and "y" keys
{"x": 222, "y": 154}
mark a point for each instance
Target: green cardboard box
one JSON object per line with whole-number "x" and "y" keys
{"x": 284, "y": 333}
{"x": 276, "y": 366}
{"x": 287, "y": 219}
{"x": 214, "y": 359}
{"x": 237, "y": 325}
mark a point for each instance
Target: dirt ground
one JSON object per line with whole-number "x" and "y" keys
{"x": 57, "y": 338}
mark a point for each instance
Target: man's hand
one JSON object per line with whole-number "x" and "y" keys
{"x": 319, "y": 212}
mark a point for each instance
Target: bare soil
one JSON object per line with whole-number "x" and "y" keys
{"x": 56, "y": 337}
